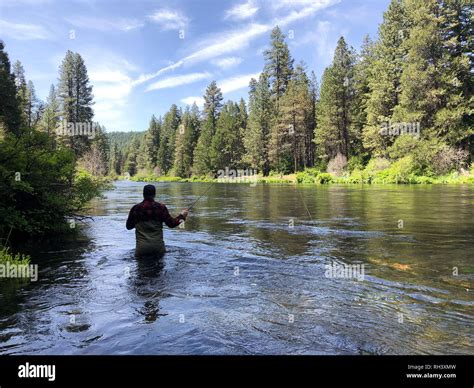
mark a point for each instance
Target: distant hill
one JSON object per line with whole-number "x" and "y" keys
{"x": 123, "y": 139}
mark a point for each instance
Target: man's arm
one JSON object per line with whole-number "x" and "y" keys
{"x": 131, "y": 219}
{"x": 173, "y": 222}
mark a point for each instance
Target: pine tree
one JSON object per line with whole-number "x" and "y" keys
{"x": 130, "y": 166}
{"x": 186, "y": 140}
{"x": 294, "y": 133}
{"x": 278, "y": 63}
{"x": 336, "y": 104}
{"x": 166, "y": 151}
{"x": 226, "y": 147}
{"x": 212, "y": 107}
{"x": 385, "y": 75}
{"x": 75, "y": 98}
{"x": 10, "y": 113}
{"x": 454, "y": 121}
{"x": 362, "y": 76}
{"x": 32, "y": 106}
{"x": 314, "y": 94}
{"x": 115, "y": 161}
{"x": 50, "y": 119}
{"x": 260, "y": 120}
{"x": 151, "y": 143}
{"x": 22, "y": 91}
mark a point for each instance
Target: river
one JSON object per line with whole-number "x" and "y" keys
{"x": 248, "y": 274}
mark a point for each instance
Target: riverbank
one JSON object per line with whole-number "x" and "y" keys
{"x": 393, "y": 175}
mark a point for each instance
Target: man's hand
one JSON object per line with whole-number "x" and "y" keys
{"x": 184, "y": 213}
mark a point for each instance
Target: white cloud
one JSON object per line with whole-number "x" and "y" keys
{"x": 192, "y": 99}
{"x": 227, "y": 62}
{"x": 242, "y": 11}
{"x": 23, "y": 31}
{"x": 111, "y": 77}
{"x": 179, "y": 80}
{"x": 100, "y": 24}
{"x": 300, "y": 3}
{"x": 169, "y": 19}
{"x": 227, "y": 42}
{"x": 235, "y": 83}
{"x": 234, "y": 40}
{"x": 146, "y": 77}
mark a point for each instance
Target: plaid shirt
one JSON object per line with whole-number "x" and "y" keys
{"x": 149, "y": 210}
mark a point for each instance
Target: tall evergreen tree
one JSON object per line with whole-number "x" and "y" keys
{"x": 50, "y": 119}
{"x": 75, "y": 97}
{"x": 454, "y": 121}
{"x": 186, "y": 140}
{"x": 226, "y": 147}
{"x": 278, "y": 63}
{"x": 166, "y": 151}
{"x": 212, "y": 107}
{"x": 336, "y": 104}
{"x": 288, "y": 143}
{"x": 385, "y": 75}
{"x": 10, "y": 114}
{"x": 362, "y": 76}
{"x": 260, "y": 120}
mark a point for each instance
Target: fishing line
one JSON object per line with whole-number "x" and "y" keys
{"x": 304, "y": 203}
{"x": 197, "y": 200}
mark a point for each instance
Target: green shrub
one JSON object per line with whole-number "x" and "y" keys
{"x": 399, "y": 172}
{"x": 7, "y": 257}
{"x": 324, "y": 178}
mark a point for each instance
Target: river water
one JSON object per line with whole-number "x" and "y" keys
{"x": 248, "y": 275}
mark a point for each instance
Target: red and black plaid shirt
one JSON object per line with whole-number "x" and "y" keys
{"x": 149, "y": 210}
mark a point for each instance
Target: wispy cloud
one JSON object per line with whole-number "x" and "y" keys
{"x": 179, "y": 80}
{"x": 235, "y": 83}
{"x": 101, "y": 24}
{"x": 227, "y": 62}
{"x": 193, "y": 99}
{"x": 242, "y": 11}
{"x": 169, "y": 19}
{"x": 23, "y": 31}
{"x": 146, "y": 77}
{"x": 234, "y": 40}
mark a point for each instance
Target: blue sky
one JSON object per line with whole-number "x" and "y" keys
{"x": 142, "y": 56}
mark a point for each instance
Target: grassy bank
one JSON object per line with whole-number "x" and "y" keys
{"x": 398, "y": 173}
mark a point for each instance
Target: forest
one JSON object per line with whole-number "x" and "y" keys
{"x": 399, "y": 110}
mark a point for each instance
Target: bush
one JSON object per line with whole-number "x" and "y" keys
{"x": 18, "y": 259}
{"x": 399, "y": 172}
{"x": 355, "y": 163}
{"x": 324, "y": 178}
{"x": 307, "y": 176}
{"x": 39, "y": 186}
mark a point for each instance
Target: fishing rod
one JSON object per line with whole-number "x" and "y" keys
{"x": 197, "y": 200}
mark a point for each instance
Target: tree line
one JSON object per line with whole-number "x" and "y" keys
{"x": 407, "y": 94}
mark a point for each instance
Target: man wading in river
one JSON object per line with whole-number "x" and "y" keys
{"x": 147, "y": 218}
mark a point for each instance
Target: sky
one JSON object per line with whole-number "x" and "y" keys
{"x": 142, "y": 56}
